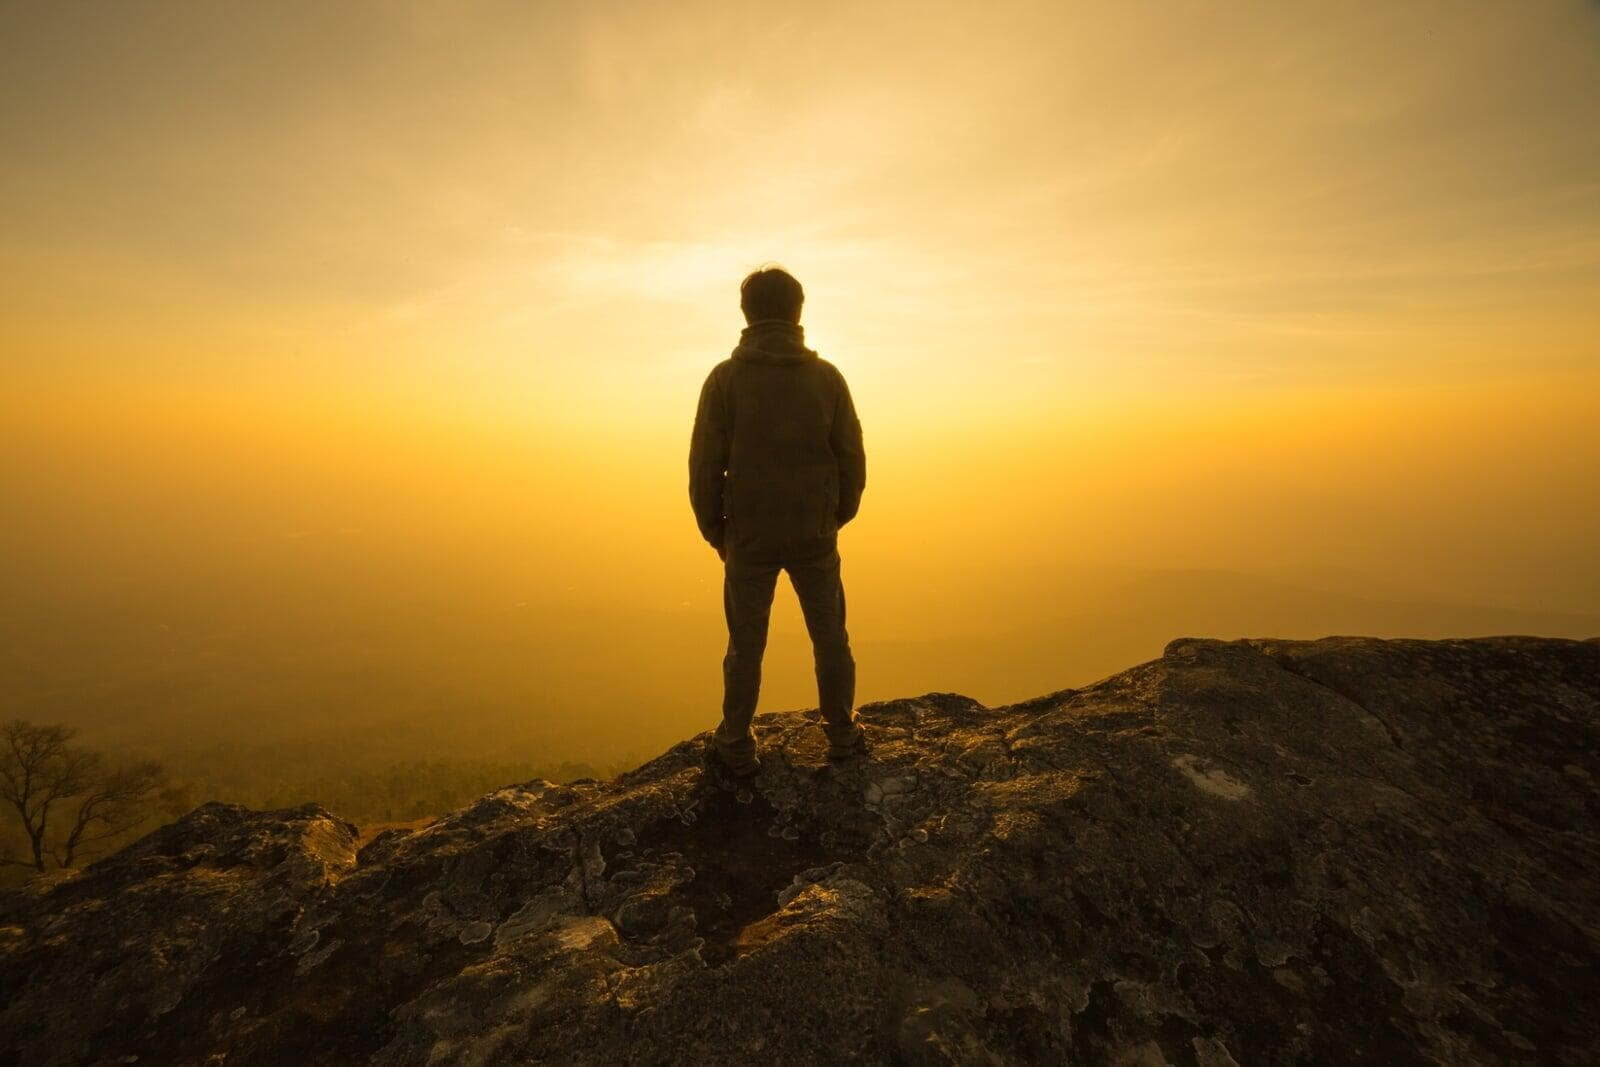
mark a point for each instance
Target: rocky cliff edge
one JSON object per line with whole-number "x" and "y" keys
{"x": 1247, "y": 852}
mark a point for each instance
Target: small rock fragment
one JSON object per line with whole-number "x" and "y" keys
{"x": 1211, "y": 780}
{"x": 1209, "y": 1052}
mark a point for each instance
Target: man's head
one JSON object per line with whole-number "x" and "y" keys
{"x": 771, "y": 293}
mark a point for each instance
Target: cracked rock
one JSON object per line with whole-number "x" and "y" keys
{"x": 1345, "y": 850}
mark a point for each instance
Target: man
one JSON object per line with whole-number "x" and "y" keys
{"x": 776, "y": 466}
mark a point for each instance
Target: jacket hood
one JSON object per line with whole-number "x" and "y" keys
{"x": 773, "y": 341}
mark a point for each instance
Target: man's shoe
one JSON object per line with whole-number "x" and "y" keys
{"x": 734, "y": 767}
{"x": 855, "y": 748}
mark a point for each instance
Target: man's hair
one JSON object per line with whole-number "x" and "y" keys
{"x": 771, "y": 293}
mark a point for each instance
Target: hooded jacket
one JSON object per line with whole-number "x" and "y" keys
{"x": 776, "y": 463}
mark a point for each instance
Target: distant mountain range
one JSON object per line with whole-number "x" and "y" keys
{"x": 393, "y": 679}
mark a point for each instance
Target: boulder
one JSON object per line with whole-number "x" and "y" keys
{"x": 1347, "y": 850}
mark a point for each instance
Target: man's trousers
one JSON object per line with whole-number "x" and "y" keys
{"x": 747, "y": 591}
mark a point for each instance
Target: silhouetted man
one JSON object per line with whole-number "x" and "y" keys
{"x": 776, "y": 466}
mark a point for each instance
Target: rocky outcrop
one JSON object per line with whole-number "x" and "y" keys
{"x": 1250, "y": 852}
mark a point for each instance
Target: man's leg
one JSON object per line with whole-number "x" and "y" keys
{"x": 821, "y": 593}
{"x": 747, "y": 602}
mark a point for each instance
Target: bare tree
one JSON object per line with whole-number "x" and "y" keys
{"x": 116, "y": 802}
{"x": 43, "y": 773}
{"x": 38, "y": 770}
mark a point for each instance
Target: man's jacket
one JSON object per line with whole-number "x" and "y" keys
{"x": 776, "y": 464}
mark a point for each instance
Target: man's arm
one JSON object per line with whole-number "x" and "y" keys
{"x": 708, "y": 462}
{"x": 849, "y": 453}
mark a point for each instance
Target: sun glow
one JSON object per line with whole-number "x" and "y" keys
{"x": 366, "y": 324}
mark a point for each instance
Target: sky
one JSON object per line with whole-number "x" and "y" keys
{"x": 1256, "y": 287}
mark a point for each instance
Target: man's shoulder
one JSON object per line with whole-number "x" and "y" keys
{"x": 830, "y": 372}
{"x": 720, "y": 371}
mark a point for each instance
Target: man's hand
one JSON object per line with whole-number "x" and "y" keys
{"x": 719, "y": 543}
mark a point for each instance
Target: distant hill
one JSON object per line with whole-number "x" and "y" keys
{"x": 1100, "y": 625}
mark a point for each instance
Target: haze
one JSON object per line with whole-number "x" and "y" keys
{"x": 349, "y": 351}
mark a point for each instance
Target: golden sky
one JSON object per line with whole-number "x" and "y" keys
{"x": 529, "y": 204}
{"x": 1135, "y": 283}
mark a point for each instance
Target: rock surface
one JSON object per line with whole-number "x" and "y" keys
{"x": 1250, "y": 852}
